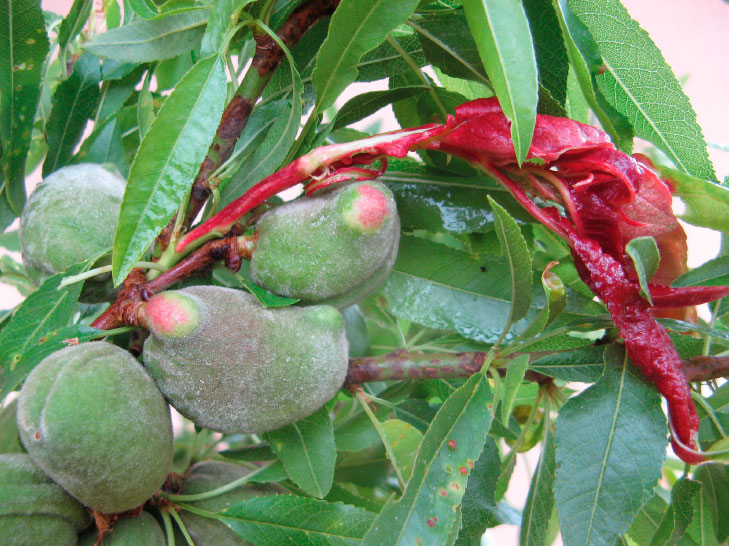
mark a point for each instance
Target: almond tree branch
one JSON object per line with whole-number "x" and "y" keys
{"x": 266, "y": 59}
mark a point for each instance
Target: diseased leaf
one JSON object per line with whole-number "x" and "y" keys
{"x": 504, "y": 42}
{"x": 638, "y": 83}
{"x": 306, "y": 449}
{"x": 365, "y": 104}
{"x": 549, "y": 48}
{"x": 167, "y": 160}
{"x": 643, "y": 251}
{"x": 611, "y": 442}
{"x": 449, "y": 45}
{"x": 74, "y": 102}
{"x": 357, "y": 26}
{"x": 478, "y": 506}
{"x": 453, "y": 442}
{"x": 24, "y": 44}
{"x": 286, "y": 519}
{"x": 540, "y": 501}
{"x": 519, "y": 259}
{"x": 46, "y": 309}
{"x": 163, "y": 37}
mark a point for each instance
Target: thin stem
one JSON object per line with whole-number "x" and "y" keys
{"x": 418, "y": 72}
{"x": 707, "y": 339}
{"x": 217, "y": 491}
{"x": 181, "y": 526}
{"x": 383, "y": 437}
{"x": 169, "y": 532}
{"x": 73, "y": 279}
{"x": 524, "y": 430}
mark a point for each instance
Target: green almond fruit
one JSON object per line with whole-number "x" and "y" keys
{"x": 70, "y": 217}
{"x": 228, "y": 364}
{"x": 133, "y": 531}
{"x": 94, "y": 421}
{"x": 335, "y": 248}
{"x": 34, "y": 509}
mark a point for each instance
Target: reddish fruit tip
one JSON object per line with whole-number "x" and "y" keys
{"x": 170, "y": 314}
{"x": 369, "y": 210}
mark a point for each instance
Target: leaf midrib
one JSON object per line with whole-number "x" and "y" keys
{"x": 152, "y": 39}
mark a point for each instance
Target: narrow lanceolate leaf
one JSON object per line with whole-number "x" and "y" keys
{"x": 611, "y": 442}
{"x": 74, "y": 22}
{"x": 24, "y": 44}
{"x": 357, "y": 26}
{"x": 504, "y": 42}
{"x": 363, "y": 105}
{"x": 639, "y": 84}
{"x": 517, "y": 254}
{"x": 74, "y": 102}
{"x": 584, "y": 365}
{"x": 540, "y": 502}
{"x": 448, "y": 44}
{"x": 307, "y": 451}
{"x": 514, "y": 376}
{"x": 404, "y": 440}
{"x": 643, "y": 251}
{"x": 286, "y": 519}
{"x": 220, "y": 20}
{"x": 549, "y": 48}
{"x": 167, "y": 160}
{"x": 44, "y": 310}
{"x": 478, "y": 506}
{"x": 163, "y": 37}
{"x": 425, "y": 514}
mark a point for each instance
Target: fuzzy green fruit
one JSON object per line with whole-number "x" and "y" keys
{"x": 70, "y": 217}
{"x": 230, "y": 365}
{"x": 334, "y": 248}
{"x": 141, "y": 531}
{"x": 33, "y": 509}
{"x": 93, "y": 420}
{"x": 209, "y": 475}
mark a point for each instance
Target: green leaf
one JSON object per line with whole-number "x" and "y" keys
{"x": 714, "y": 478}
{"x": 146, "y": 9}
{"x": 549, "y": 48}
{"x": 385, "y": 61}
{"x": 679, "y": 514}
{"x": 357, "y": 26}
{"x": 274, "y": 148}
{"x": 167, "y": 161}
{"x": 74, "y": 22}
{"x": 712, "y": 273}
{"x": 104, "y": 145}
{"x": 404, "y": 440}
{"x": 365, "y": 104}
{"x": 611, "y": 442}
{"x": 706, "y": 203}
{"x": 306, "y": 449}
{"x": 74, "y": 102}
{"x": 504, "y": 41}
{"x": 584, "y": 365}
{"x": 479, "y": 505}
{"x": 166, "y": 36}
{"x": 643, "y": 251}
{"x": 24, "y": 44}
{"x": 286, "y": 519}
{"x": 448, "y": 44}
{"x": 220, "y": 20}
{"x": 447, "y": 453}
{"x": 51, "y": 342}
{"x": 556, "y": 293}
{"x": 586, "y": 62}
{"x": 517, "y": 254}
{"x": 514, "y": 376}
{"x": 639, "y": 84}
{"x": 10, "y": 240}
{"x": 649, "y": 517}
{"x": 540, "y": 501}
{"x": 46, "y": 309}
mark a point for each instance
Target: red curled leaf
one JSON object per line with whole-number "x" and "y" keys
{"x": 667, "y": 297}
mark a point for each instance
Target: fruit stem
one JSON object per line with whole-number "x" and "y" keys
{"x": 217, "y": 491}
{"x": 181, "y": 527}
{"x": 73, "y": 279}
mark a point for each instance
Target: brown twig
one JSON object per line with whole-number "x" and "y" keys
{"x": 123, "y": 312}
{"x": 266, "y": 59}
